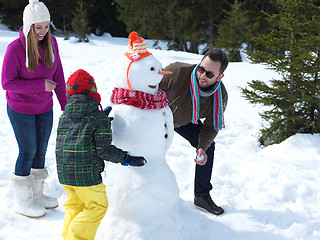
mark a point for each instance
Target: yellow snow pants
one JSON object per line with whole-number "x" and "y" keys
{"x": 84, "y": 210}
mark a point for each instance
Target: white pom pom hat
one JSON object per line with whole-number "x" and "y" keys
{"x": 34, "y": 12}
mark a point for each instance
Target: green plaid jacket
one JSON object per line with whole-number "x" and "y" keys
{"x": 83, "y": 142}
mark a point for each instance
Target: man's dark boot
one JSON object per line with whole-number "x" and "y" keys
{"x": 205, "y": 203}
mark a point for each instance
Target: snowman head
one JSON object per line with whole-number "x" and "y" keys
{"x": 143, "y": 71}
{"x": 145, "y": 75}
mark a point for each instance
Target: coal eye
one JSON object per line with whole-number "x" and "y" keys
{"x": 152, "y": 68}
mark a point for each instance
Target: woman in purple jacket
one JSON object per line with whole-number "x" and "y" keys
{"x": 31, "y": 71}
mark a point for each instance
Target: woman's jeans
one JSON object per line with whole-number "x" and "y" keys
{"x": 202, "y": 185}
{"x": 32, "y": 132}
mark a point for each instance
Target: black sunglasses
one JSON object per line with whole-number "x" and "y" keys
{"x": 208, "y": 74}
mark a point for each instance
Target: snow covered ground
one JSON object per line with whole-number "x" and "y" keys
{"x": 268, "y": 193}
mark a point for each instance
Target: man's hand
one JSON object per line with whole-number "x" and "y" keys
{"x": 201, "y": 158}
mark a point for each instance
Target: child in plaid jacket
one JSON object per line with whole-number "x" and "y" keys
{"x": 84, "y": 139}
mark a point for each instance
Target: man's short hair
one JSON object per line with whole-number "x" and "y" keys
{"x": 218, "y": 55}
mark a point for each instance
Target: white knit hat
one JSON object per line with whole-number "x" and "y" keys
{"x": 34, "y": 12}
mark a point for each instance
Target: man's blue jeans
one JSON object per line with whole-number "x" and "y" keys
{"x": 32, "y": 133}
{"x": 202, "y": 185}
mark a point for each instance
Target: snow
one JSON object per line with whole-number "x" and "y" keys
{"x": 268, "y": 193}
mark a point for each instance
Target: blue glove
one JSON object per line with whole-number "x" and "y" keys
{"x": 107, "y": 110}
{"x": 134, "y": 161}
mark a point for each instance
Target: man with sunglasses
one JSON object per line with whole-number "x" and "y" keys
{"x": 195, "y": 91}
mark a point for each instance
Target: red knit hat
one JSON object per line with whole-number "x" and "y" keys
{"x": 81, "y": 82}
{"x": 137, "y": 47}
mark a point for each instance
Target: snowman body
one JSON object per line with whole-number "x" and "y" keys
{"x": 142, "y": 132}
{"x": 139, "y": 197}
{"x": 144, "y": 202}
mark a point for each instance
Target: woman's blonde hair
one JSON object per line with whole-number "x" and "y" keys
{"x": 33, "y": 50}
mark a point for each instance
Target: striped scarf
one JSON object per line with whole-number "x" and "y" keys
{"x": 139, "y": 99}
{"x": 218, "y": 118}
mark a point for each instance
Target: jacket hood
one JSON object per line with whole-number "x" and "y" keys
{"x": 79, "y": 106}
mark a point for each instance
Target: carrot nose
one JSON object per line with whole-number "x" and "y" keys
{"x": 164, "y": 72}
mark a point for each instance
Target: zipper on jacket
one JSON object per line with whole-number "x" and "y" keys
{"x": 170, "y": 104}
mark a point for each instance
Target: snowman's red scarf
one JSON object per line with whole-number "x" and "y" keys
{"x": 139, "y": 99}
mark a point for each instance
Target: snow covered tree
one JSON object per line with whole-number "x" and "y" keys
{"x": 80, "y": 23}
{"x": 293, "y": 50}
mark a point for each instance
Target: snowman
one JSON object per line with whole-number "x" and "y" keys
{"x": 143, "y": 120}
{"x": 143, "y": 200}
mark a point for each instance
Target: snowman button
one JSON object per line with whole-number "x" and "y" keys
{"x": 165, "y": 125}
{"x": 164, "y": 113}
{"x": 166, "y": 136}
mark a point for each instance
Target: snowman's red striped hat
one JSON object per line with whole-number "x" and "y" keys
{"x": 137, "y": 47}
{"x": 137, "y": 50}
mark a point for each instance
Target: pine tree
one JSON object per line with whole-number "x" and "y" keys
{"x": 62, "y": 14}
{"x": 232, "y": 31}
{"x": 184, "y": 24}
{"x": 256, "y": 13}
{"x": 292, "y": 50}
{"x": 11, "y": 13}
{"x": 102, "y": 16}
{"x": 65, "y": 29}
{"x": 80, "y": 23}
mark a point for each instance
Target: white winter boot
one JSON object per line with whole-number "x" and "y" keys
{"x": 42, "y": 200}
{"x": 23, "y": 194}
